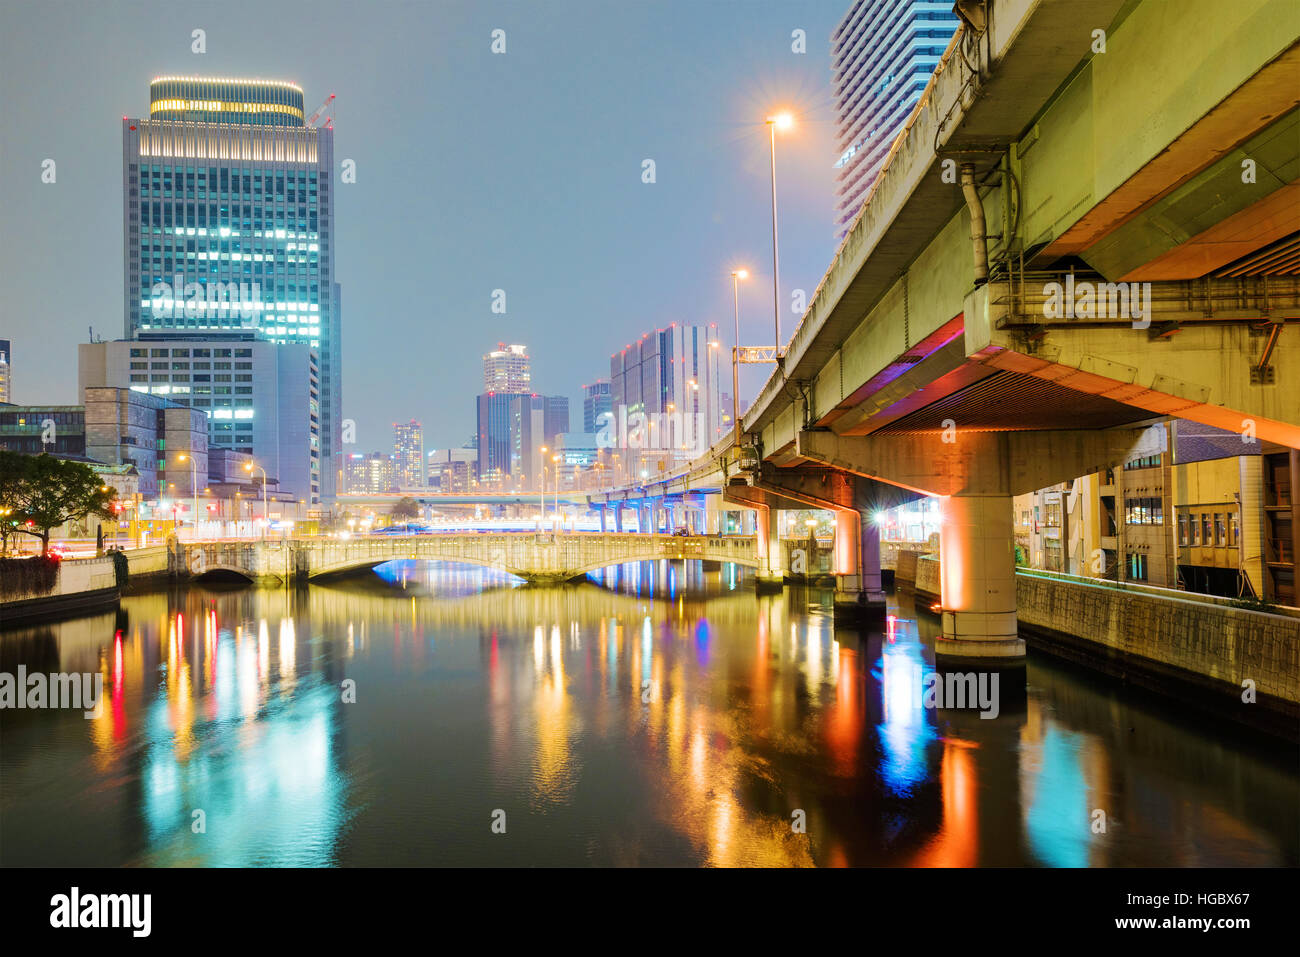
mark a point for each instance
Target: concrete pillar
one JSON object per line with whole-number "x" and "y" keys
{"x": 602, "y": 519}
{"x": 977, "y": 573}
{"x": 858, "y": 586}
{"x": 713, "y": 516}
{"x": 618, "y": 517}
{"x": 770, "y": 571}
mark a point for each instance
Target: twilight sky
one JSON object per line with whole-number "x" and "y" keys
{"x": 475, "y": 171}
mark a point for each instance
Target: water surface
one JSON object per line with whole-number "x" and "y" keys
{"x": 668, "y": 716}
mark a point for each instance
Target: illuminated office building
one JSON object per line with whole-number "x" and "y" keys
{"x": 408, "y": 455}
{"x": 505, "y": 370}
{"x": 882, "y": 55}
{"x": 228, "y": 216}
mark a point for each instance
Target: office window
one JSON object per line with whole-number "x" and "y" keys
{"x": 1207, "y": 530}
{"x": 1234, "y": 529}
{"x": 1137, "y": 567}
{"x": 1182, "y": 528}
{"x": 1220, "y": 530}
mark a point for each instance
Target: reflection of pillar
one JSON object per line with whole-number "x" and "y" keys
{"x": 766, "y": 523}
{"x": 977, "y": 571}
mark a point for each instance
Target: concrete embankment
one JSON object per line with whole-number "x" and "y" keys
{"x": 82, "y": 585}
{"x": 1198, "y": 648}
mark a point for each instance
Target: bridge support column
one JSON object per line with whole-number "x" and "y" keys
{"x": 977, "y": 573}
{"x": 618, "y": 518}
{"x": 770, "y": 571}
{"x": 858, "y": 587}
{"x": 602, "y": 519}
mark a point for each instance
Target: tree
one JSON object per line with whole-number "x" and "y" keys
{"x": 45, "y": 492}
{"x": 13, "y": 471}
{"x": 406, "y": 508}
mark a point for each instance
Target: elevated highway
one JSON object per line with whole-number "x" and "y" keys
{"x": 1090, "y": 223}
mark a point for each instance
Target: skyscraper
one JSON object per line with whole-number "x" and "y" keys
{"x": 557, "y": 416}
{"x": 670, "y": 377}
{"x": 595, "y": 401}
{"x": 408, "y": 453}
{"x": 6, "y": 360}
{"x": 882, "y": 55}
{"x": 228, "y": 219}
{"x": 506, "y": 370}
{"x": 511, "y": 433}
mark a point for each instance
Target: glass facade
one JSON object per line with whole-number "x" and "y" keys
{"x": 228, "y": 226}
{"x": 882, "y": 55}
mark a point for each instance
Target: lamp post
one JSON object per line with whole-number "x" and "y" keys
{"x": 248, "y": 467}
{"x": 736, "y": 276}
{"x": 781, "y": 121}
{"x": 194, "y": 489}
{"x": 555, "y": 461}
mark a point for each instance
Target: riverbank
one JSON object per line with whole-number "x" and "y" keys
{"x": 1199, "y": 649}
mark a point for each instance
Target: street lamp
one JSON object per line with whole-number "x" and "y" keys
{"x": 736, "y": 276}
{"x": 555, "y": 460}
{"x": 782, "y": 121}
{"x": 248, "y": 467}
{"x": 194, "y": 488}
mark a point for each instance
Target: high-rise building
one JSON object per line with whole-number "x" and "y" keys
{"x": 595, "y": 402}
{"x": 556, "y": 416}
{"x": 228, "y": 222}
{"x": 505, "y": 370}
{"x": 255, "y": 397}
{"x": 671, "y": 378}
{"x": 408, "y": 453}
{"x": 511, "y": 434}
{"x": 882, "y": 55}
{"x": 371, "y": 474}
{"x": 6, "y": 362}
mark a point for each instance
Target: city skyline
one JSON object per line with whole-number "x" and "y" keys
{"x": 410, "y": 289}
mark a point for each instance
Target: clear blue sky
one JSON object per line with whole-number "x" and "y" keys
{"x": 475, "y": 172}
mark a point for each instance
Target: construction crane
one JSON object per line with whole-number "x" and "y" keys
{"x": 321, "y": 111}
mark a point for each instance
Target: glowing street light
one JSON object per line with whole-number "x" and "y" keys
{"x": 782, "y": 121}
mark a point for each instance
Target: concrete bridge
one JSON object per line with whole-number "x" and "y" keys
{"x": 535, "y": 557}
{"x": 1089, "y": 224}
{"x": 532, "y": 556}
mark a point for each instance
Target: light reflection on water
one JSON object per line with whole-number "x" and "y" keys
{"x": 662, "y": 715}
